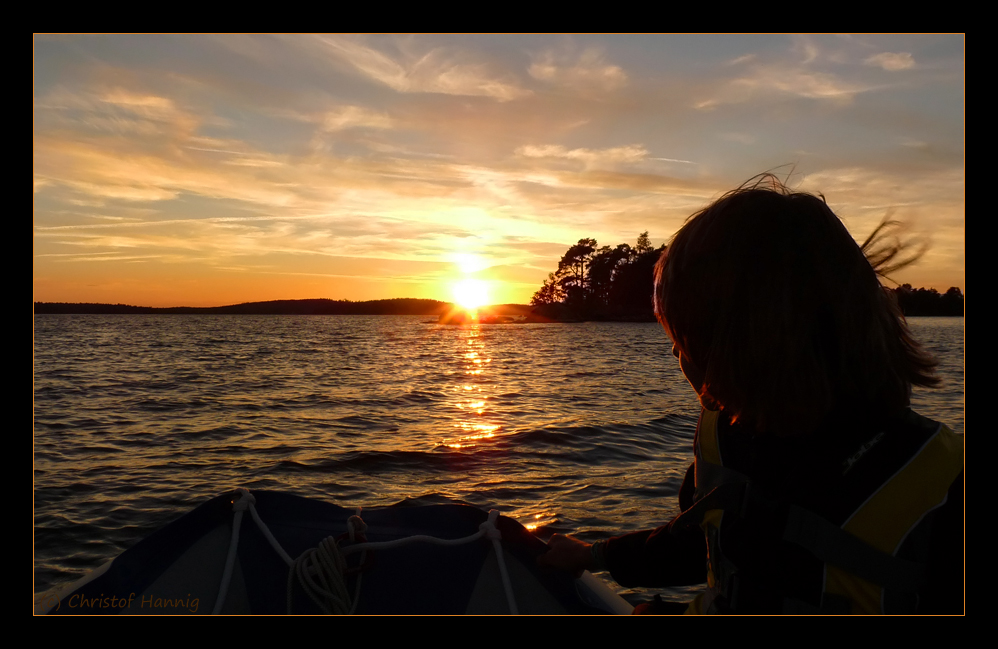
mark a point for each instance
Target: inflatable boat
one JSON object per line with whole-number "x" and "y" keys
{"x": 269, "y": 553}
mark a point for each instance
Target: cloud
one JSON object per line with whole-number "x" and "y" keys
{"x": 337, "y": 117}
{"x": 611, "y": 182}
{"x": 119, "y": 111}
{"x": 891, "y": 61}
{"x": 120, "y": 170}
{"x": 806, "y": 47}
{"x": 589, "y": 157}
{"x": 862, "y": 196}
{"x": 77, "y": 258}
{"x": 766, "y": 80}
{"x": 589, "y": 71}
{"x": 799, "y": 82}
{"x": 809, "y": 73}
{"x": 440, "y": 70}
{"x": 345, "y": 117}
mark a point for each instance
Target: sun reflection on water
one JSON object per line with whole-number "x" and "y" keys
{"x": 473, "y": 420}
{"x": 539, "y": 520}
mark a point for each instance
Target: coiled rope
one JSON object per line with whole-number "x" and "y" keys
{"x": 321, "y": 570}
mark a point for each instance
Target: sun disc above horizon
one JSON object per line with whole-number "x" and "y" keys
{"x": 470, "y": 294}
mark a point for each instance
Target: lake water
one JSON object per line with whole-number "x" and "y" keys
{"x": 575, "y": 428}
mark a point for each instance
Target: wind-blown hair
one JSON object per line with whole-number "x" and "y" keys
{"x": 766, "y": 292}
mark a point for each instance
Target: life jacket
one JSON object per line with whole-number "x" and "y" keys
{"x": 859, "y": 546}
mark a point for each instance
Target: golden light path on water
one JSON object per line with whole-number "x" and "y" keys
{"x": 470, "y": 395}
{"x": 475, "y": 424}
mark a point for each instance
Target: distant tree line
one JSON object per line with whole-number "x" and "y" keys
{"x": 605, "y": 283}
{"x": 399, "y": 306}
{"x": 594, "y": 283}
{"x": 929, "y": 301}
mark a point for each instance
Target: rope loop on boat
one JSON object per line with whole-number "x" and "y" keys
{"x": 320, "y": 571}
{"x": 489, "y": 527}
{"x": 356, "y": 526}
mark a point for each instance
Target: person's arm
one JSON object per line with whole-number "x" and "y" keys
{"x": 649, "y": 558}
{"x": 660, "y": 557}
{"x": 657, "y": 558}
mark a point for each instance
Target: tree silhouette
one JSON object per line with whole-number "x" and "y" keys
{"x": 606, "y": 263}
{"x": 634, "y": 284}
{"x": 573, "y": 272}
{"x": 643, "y": 244}
{"x": 928, "y": 302}
{"x": 549, "y": 293}
{"x": 591, "y": 282}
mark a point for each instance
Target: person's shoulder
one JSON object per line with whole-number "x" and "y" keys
{"x": 911, "y": 419}
{"x": 932, "y": 433}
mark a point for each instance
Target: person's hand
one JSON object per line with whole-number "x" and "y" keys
{"x": 568, "y": 554}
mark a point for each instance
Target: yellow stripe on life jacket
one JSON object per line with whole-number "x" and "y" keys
{"x": 708, "y": 447}
{"x": 710, "y": 473}
{"x": 894, "y": 510}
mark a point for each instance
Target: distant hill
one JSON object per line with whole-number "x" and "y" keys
{"x": 398, "y": 306}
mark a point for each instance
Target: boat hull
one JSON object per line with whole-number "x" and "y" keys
{"x": 178, "y": 570}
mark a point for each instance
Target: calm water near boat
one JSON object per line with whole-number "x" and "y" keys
{"x": 574, "y": 428}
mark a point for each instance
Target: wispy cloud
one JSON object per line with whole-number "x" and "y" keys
{"x": 588, "y": 71}
{"x": 104, "y": 258}
{"x": 808, "y": 73}
{"x": 864, "y": 194}
{"x": 591, "y": 158}
{"x": 438, "y": 70}
{"x": 338, "y": 117}
{"x": 806, "y": 48}
{"x": 891, "y": 61}
{"x": 117, "y": 171}
{"x": 117, "y": 110}
{"x": 802, "y": 83}
{"x": 346, "y": 117}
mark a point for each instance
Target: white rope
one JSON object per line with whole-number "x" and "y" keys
{"x": 492, "y": 532}
{"x": 418, "y": 538}
{"x": 487, "y": 530}
{"x": 320, "y": 570}
{"x": 242, "y": 501}
{"x": 356, "y": 525}
{"x": 270, "y": 537}
{"x": 230, "y": 558}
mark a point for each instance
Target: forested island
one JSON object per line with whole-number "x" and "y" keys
{"x": 604, "y": 283}
{"x": 593, "y": 283}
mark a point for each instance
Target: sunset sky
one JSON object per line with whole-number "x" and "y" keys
{"x": 211, "y": 170}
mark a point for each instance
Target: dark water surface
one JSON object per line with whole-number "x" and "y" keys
{"x": 574, "y": 428}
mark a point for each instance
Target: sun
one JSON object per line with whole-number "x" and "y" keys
{"x": 470, "y": 294}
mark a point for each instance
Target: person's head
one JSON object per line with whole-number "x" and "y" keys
{"x": 783, "y": 318}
